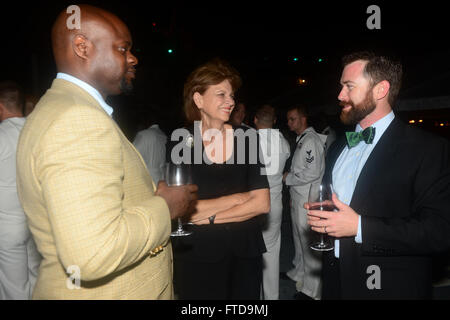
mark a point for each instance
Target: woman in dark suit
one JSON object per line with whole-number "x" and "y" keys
{"x": 222, "y": 259}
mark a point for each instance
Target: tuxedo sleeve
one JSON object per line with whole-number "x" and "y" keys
{"x": 426, "y": 229}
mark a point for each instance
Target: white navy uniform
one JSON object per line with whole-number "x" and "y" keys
{"x": 276, "y": 151}
{"x": 307, "y": 168}
{"x": 19, "y": 258}
{"x": 151, "y": 144}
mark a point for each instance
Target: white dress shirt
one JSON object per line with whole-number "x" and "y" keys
{"x": 349, "y": 165}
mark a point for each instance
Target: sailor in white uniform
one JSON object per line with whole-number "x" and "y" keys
{"x": 275, "y": 151}
{"x": 19, "y": 258}
{"x": 307, "y": 169}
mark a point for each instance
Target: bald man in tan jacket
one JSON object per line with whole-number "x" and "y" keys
{"x": 98, "y": 220}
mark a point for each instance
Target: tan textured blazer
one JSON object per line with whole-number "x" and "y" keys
{"x": 90, "y": 204}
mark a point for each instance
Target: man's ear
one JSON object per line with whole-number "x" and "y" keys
{"x": 381, "y": 89}
{"x": 303, "y": 119}
{"x": 198, "y": 99}
{"x": 81, "y": 46}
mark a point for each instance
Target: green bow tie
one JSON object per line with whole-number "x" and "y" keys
{"x": 353, "y": 138}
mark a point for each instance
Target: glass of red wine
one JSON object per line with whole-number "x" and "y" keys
{"x": 319, "y": 198}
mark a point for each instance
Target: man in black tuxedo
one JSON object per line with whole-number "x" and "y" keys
{"x": 392, "y": 190}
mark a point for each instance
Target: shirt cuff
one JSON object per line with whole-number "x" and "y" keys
{"x": 358, "y": 238}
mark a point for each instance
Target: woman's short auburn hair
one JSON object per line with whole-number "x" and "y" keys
{"x": 211, "y": 73}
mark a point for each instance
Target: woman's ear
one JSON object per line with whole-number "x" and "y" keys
{"x": 198, "y": 99}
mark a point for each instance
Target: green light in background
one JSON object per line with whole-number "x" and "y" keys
{"x": 170, "y": 51}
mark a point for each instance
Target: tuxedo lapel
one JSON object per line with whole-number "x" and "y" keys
{"x": 378, "y": 163}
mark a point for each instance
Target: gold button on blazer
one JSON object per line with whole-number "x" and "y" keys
{"x": 90, "y": 204}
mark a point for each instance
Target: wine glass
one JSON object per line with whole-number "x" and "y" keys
{"x": 178, "y": 175}
{"x": 319, "y": 198}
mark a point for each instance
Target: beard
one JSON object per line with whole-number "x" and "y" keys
{"x": 126, "y": 87}
{"x": 358, "y": 111}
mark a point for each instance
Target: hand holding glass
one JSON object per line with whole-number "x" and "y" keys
{"x": 320, "y": 199}
{"x": 178, "y": 175}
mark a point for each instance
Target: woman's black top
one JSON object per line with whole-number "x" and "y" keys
{"x": 211, "y": 242}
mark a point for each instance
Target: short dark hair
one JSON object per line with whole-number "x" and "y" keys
{"x": 208, "y": 74}
{"x": 266, "y": 115}
{"x": 301, "y": 109}
{"x": 377, "y": 69}
{"x": 12, "y": 96}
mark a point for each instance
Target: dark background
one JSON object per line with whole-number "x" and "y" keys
{"x": 259, "y": 39}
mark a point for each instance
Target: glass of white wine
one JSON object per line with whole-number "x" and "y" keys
{"x": 178, "y": 175}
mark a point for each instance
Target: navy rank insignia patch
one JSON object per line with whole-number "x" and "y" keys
{"x": 309, "y": 158}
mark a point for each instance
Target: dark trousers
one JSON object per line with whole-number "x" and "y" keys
{"x": 331, "y": 281}
{"x": 232, "y": 278}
